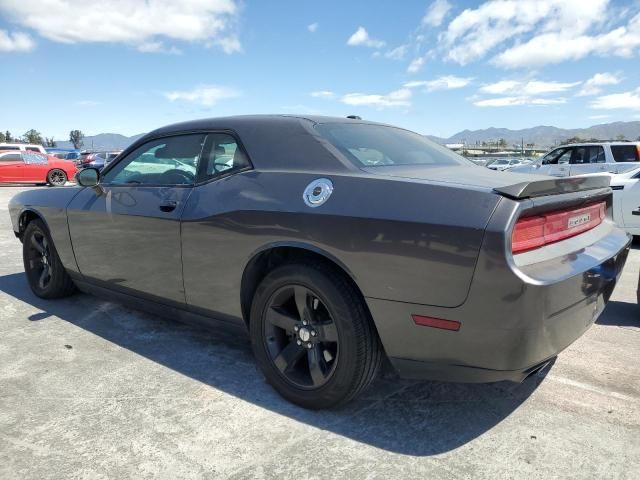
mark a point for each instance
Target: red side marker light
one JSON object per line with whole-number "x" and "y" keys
{"x": 436, "y": 322}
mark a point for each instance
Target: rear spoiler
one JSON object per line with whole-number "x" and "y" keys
{"x": 553, "y": 186}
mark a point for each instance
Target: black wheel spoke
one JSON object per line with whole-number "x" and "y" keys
{"x": 288, "y": 357}
{"x": 301, "y": 295}
{"x": 42, "y": 281}
{"x": 279, "y": 318}
{"x": 315, "y": 366}
{"x": 327, "y": 332}
{"x": 37, "y": 245}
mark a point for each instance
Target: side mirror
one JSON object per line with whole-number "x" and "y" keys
{"x": 88, "y": 177}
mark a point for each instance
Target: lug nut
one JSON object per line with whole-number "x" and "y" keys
{"x": 313, "y": 333}
{"x": 296, "y": 328}
{"x": 304, "y": 322}
{"x": 309, "y": 345}
{"x": 299, "y": 342}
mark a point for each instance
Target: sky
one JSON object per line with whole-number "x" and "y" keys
{"x": 436, "y": 67}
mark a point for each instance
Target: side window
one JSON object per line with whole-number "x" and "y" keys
{"x": 33, "y": 158}
{"x": 32, "y": 149}
{"x": 221, "y": 154}
{"x": 11, "y": 157}
{"x": 597, "y": 155}
{"x": 551, "y": 158}
{"x": 163, "y": 161}
{"x": 565, "y": 157}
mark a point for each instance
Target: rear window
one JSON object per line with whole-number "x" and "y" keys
{"x": 625, "y": 153}
{"x": 380, "y": 146}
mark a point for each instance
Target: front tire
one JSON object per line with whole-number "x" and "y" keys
{"x": 312, "y": 335}
{"x": 57, "y": 177}
{"x": 46, "y": 275}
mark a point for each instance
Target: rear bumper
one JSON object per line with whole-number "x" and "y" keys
{"x": 514, "y": 320}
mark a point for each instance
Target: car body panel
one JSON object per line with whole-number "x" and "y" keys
{"x": 414, "y": 240}
{"x": 107, "y": 225}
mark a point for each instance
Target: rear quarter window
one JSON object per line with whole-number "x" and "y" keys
{"x": 625, "y": 153}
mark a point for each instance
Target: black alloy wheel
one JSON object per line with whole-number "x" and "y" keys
{"x": 300, "y": 336}
{"x": 46, "y": 275}
{"x": 313, "y": 336}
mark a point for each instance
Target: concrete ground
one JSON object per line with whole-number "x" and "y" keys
{"x": 89, "y": 389}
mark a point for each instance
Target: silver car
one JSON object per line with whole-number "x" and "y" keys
{"x": 581, "y": 158}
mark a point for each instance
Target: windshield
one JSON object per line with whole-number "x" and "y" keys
{"x": 380, "y": 146}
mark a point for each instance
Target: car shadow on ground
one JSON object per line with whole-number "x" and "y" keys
{"x": 411, "y": 418}
{"x": 620, "y": 314}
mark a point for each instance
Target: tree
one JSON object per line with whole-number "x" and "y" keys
{"x": 33, "y": 136}
{"x": 638, "y": 139}
{"x": 2, "y": 138}
{"x": 621, "y": 138}
{"x": 49, "y": 142}
{"x": 502, "y": 142}
{"x": 7, "y": 136}
{"x": 75, "y": 137}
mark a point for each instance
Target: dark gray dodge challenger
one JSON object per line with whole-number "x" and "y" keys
{"x": 336, "y": 242}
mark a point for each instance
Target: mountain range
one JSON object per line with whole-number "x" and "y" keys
{"x": 103, "y": 141}
{"x": 543, "y": 136}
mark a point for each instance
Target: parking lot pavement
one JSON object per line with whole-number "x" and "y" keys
{"x": 89, "y": 389}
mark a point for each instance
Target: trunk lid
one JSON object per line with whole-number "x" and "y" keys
{"x": 508, "y": 184}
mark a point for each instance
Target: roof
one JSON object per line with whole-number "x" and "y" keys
{"x": 240, "y": 121}
{"x": 275, "y": 142}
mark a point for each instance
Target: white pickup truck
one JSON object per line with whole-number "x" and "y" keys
{"x": 581, "y": 158}
{"x": 22, "y": 147}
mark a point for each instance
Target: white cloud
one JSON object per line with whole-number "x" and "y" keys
{"x": 158, "y": 47}
{"x": 475, "y": 32}
{"x": 323, "y": 94}
{"x": 397, "y": 98}
{"x": 518, "y": 101}
{"x": 416, "y": 65}
{"x": 532, "y": 87}
{"x": 436, "y": 13}
{"x": 130, "y": 22}
{"x": 599, "y": 117}
{"x": 206, "y": 95}
{"x": 445, "y": 82}
{"x": 592, "y": 86}
{"x": 15, "y": 42}
{"x": 361, "y": 38}
{"x": 313, "y": 27}
{"x": 397, "y": 53}
{"x": 625, "y": 100}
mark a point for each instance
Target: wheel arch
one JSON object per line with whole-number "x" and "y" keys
{"x": 26, "y": 217}
{"x": 270, "y": 256}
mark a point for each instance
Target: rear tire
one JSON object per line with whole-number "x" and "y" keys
{"x": 339, "y": 353}
{"x": 57, "y": 177}
{"x": 46, "y": 275}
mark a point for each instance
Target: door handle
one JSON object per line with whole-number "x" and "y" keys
{"x": 168, "y": 206}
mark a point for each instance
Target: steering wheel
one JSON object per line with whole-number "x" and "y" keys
{"x": 185, "y": 177}
{"x": 220, "y": 167}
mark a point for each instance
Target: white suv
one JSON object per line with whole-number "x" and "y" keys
{"x": 581, "y": 158}
{"x": 22, "y": 147}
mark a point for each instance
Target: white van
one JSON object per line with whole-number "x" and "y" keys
{"x": 22, "y": 147}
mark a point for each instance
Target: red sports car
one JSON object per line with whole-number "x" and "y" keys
{"x": 34, "y": 167}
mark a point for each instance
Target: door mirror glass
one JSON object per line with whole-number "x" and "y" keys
{"x": 88, "y": 177}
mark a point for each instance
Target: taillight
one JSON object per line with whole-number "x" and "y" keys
{"x": 537, "y": 231}
{"x": 638, "y": 152}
